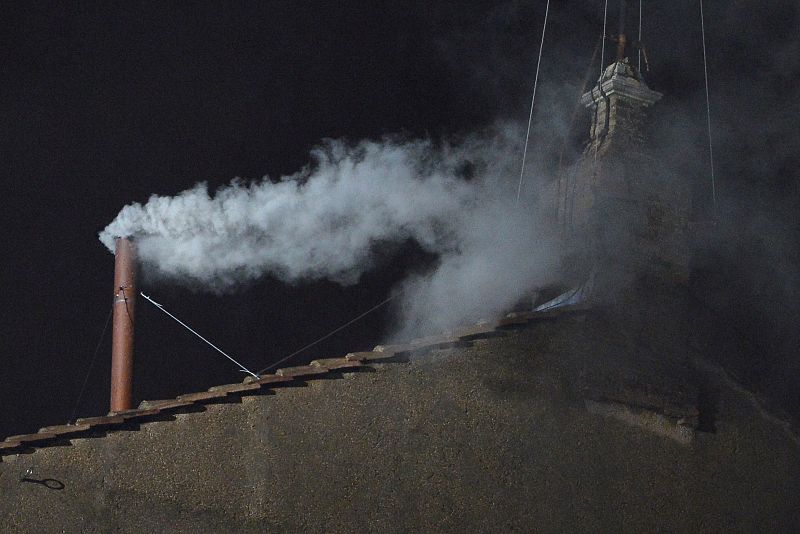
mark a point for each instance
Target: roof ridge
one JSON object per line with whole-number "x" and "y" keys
{"x": 152, "y": 410}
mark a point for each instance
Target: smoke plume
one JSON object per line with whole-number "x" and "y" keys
{"x": 349, "y": 207}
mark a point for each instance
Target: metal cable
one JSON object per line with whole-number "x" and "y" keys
{"x": 329, "y": 334}
{"x": 708, "y": 113}
{"x": 91, "y": 366}
{"x": 533, "y": 100}
{"x": 160, "y": 307}
{"x": 603, "y": 50}
{"x": 125, "y": 299}
{"x": 640, "y": 37}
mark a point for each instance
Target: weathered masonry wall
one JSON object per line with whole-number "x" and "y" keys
{"x": 487, "y": 438}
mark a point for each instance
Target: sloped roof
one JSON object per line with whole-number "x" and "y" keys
{"x": 494, "y": 436}
{"x": 317, "y": 369}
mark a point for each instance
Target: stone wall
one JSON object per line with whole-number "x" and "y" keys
{"x": 486, "y": 439}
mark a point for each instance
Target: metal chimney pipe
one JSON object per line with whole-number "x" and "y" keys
{"x": 122, "y": 329}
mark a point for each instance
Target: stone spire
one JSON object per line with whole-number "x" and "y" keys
{"x": 624, "y": 214}
{"x": 618, "y": 105}
{"x": 619, "y": 100}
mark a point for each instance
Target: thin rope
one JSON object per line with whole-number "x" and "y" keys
{"x": 708, "y": 113}
{"x": 329, "y": 334}
{"x": 600, "y": 86}
{"x": 160, "y": 307}
{"x": 533, "y": 100}
{"x": 91, "y": 365}
{"x": 603, "y": 51}
{"x": 640, "y": 36}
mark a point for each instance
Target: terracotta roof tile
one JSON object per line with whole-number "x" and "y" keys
{"x": 369, "y": 356}
{"x": 438, "y": 342}
{"x": 31, "y": 438}
{"x": 136, "y": 413}
{"x": 236, "y": 388}
{"x": 477, "y": 331}
{"x": 358, "y": 356}
{"x": 301, "y": 370}
{"x": 202, "y": 396}
{"x": 422, "y": 345}
{"x": 266, "y": 379}
{"x": 165, "y": 404}
{"x": 394, "y": 349}
{"x": 333, "y": 364}
{"x": 103, "y": 420}
{"x": 62, "y": 430}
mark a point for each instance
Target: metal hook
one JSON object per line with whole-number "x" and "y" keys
{"x": 28, "y": 472}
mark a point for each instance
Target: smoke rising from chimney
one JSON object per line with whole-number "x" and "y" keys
{"x": 335, "y": 217}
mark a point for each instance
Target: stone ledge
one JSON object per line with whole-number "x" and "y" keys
{"x": 644, "y": 419}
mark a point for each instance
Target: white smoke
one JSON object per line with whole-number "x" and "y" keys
{"x": 335, "y": 217}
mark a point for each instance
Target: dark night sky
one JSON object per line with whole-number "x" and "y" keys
{"x": 106, "y": 104}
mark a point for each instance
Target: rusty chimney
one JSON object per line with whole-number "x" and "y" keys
{"x": 122, "y": 333}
